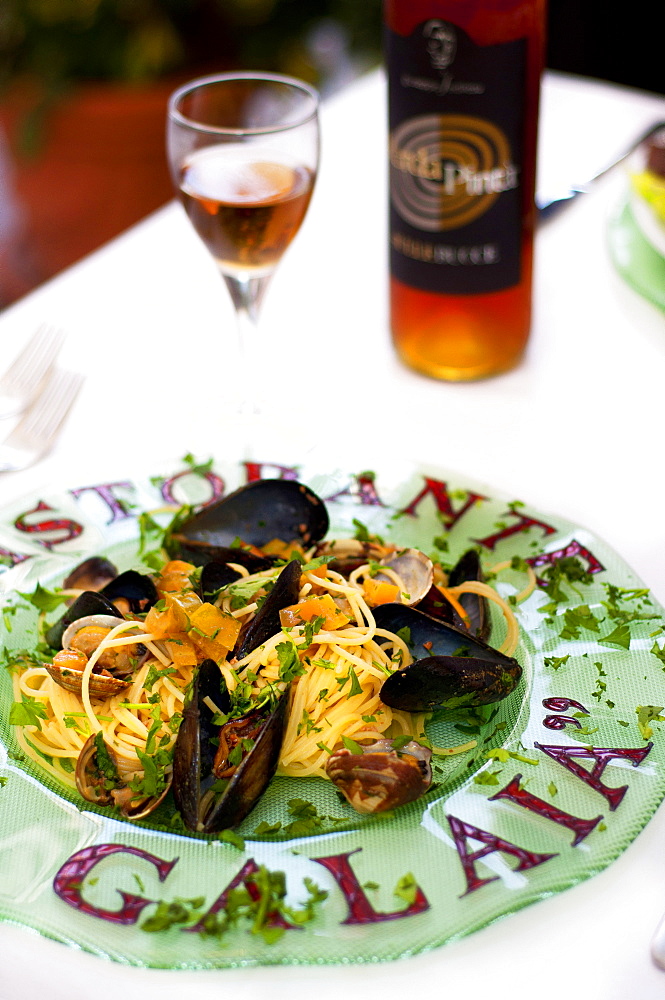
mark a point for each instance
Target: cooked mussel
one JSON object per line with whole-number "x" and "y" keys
{"x": 131, "y": 591}
{"x": 381, "y": 777}
{"x": 469, "y": 568}
{"x": 477, "y": 619}
{"x": 459, "y": 670}
{"x": 88, "y": 603}
{"x": 207, "y": 803}
{"x": 219, "y": 572}
{"x": 256, "y": 514}
{"x": 92, "y": 574}
{"x": 266, "y": 621}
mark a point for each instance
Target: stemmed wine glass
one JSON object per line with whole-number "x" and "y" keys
{"x": 243, "y": 151}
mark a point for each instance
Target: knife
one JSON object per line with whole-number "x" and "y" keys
{"x": 548, "y": 207}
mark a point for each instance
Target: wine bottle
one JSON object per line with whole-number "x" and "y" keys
{"x": 463, "y": 89}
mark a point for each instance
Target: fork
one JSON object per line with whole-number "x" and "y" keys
{"x": 40, "y": 425}
{"x": 20, "y": 383}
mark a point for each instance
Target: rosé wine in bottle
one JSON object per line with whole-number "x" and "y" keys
{"x": 464, "y": 79}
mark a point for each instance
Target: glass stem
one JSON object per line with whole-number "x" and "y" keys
{"x": 247, "y": 296}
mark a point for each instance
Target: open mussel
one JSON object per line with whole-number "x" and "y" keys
{"x": 476, "y": 613}
{"x": 255, "y": 514}
{"x": 90, "y": 602}
{"x": 130, "y": 592}
{"x": 211, "y": 795}
{"x": 266, "y": 622}
{"x": 469, "y": 568}
{"x": 92, "y": 574}
{"x": 219, "y": 572}
{"x": 459, "y": 670}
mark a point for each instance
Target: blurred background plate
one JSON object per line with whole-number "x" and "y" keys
{"x": 635, "y": 257}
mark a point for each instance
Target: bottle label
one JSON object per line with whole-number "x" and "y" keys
{"x": 456, "y": 114}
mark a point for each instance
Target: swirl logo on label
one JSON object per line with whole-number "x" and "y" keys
{"x": 447, "y": 170}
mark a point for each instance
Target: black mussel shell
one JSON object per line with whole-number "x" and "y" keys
{"x": 256, "y": 513}
{"x": 194, "y": 751}
{"x": 203, "y": 809}
{"x": 218, "y": 573}
{"x": 436, "y": 606}
{"x": 468, "y": 568}
{"x": 92, "y": 574}
{"x": 266, "y": 622}
{"x": 459, "y": 670}
{"x": 253, "y": 775}
{"x": 90, "y": 602}
{"x": 136, "y": 588}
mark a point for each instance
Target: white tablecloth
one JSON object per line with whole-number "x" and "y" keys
{"x": 576, "y": 429}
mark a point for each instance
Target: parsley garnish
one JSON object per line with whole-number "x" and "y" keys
{"x": 27, "y": 713}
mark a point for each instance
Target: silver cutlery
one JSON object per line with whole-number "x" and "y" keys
{"x": 21, "y": 382}
{"x": 548, "y": 206}
{"x": 38, "y": 428}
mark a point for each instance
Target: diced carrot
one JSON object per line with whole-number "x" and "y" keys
{"x": 276, "y": 547}
{"x": 181, "y": 650}
{"x": 170, "y": 619}
{"x": 456, "y": 605}
{"x": 314, "y": 607}
{"x": 174, "y": 577}
{"x": 379, "y": 591}
{"x": 209, "y": 622}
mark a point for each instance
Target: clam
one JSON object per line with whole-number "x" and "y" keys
{"x": 459, "y": 670}
{"x": 381, "y": 777}
{"x": 110, "y": 673}
{"x": 255, "y": 514}
{"x": 98, "y": 781}
{"x": 415, "y": 570}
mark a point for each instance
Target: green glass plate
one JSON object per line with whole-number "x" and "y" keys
{"x": 562, "y": 777}
{"x": 635, "y": 258}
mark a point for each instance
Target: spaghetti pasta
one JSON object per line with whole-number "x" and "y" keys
{"x": 329, "y": 653}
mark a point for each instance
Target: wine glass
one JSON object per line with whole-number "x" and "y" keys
{"x": 243, "y": 152}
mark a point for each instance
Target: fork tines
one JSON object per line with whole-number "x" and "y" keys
{"x": 39, "y": 426}
{"x": 22, "y": 380}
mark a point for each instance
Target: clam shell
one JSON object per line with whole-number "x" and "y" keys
{"x": 416, "y": 571}
{"x": 90, "y": 785}
{"x": 101, "y": 685}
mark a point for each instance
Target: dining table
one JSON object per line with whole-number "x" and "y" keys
{"x": 576, "y": 429}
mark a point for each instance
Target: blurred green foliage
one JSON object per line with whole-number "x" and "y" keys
{"x": 59, "y": 41}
